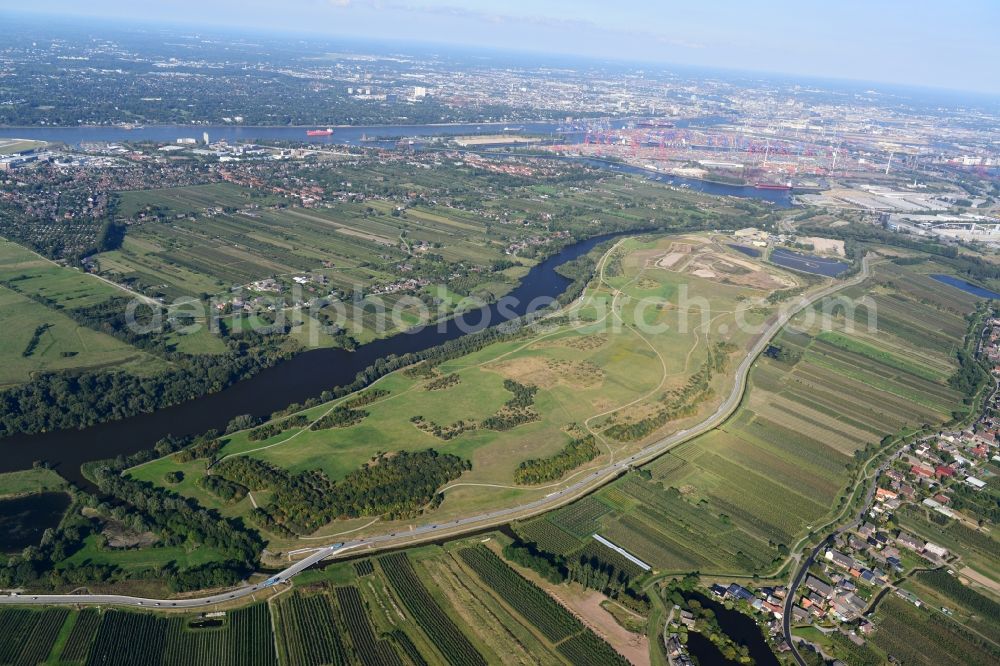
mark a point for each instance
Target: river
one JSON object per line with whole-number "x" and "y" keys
{"x": 309, "y": 373}
{"x": 780, "y": 198}
{"x": 304, "y": 376}
{"x": 349, "y": 136}
{"x": 354, "y": 135}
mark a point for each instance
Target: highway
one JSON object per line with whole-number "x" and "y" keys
{"x": 458, "y": 527}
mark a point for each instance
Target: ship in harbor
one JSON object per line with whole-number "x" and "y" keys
{"x": 773, "y": 186}
{"x": 655, "y": 123}
{"x": 319, "y": 132}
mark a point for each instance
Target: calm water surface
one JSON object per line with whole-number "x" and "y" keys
{"x": 24, "y": 519}
{"x": 741, "y": 628}
{"x": 808, "y": 263}
{"x": 967, "y": 287}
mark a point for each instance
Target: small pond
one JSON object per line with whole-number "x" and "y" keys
{"x": 24, "y": 519}
{"x": 967, "y": 287}
{"x": 739, "y": 627}
{"x": 808, "y": 263}
{"x": 747, "y": 250}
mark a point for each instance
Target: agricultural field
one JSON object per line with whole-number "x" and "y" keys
{"x": 566, "y": 398}
{"x": 979, "y": 550}
{"x": 28, "y": 636}
{"x": 190, "y": 199}
{"x": 345, "y": 250}
{"x": 455, "y": 604}
{"x": 912, "y": 635}
{"x": 396, "y": 231}
{"x": 214, "y": 253}
{"x": 460, "y": 603}
{"x": 967, "y": 605}
{"x": 90, "y": 637}
{"x": 737, "y": 498}
{"x": 308, "y": 631}
{"x": 39, "y": 338}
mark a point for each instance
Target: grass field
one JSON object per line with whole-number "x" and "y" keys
{"x": 596, "y": 377}
{"x": 140, "y": 558}
{"x": 30, "y": 481}
{"x": 734, "y": 499}
{"x": 38, "y": 338}
{"x": 15, "y": 146}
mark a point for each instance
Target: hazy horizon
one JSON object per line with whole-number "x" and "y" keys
{"x": 921, "y": 44}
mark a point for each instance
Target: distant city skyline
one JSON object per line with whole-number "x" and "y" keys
{"x": 919, "y": 43}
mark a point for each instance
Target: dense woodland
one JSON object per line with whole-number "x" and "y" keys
{"x": 520, "y": 409}
{"x": 973, "y": 371}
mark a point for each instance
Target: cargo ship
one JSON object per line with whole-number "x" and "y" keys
{"x": 662, "y": 124}
{"x": 322, "y": 132}
{"x": 772, "y": 186}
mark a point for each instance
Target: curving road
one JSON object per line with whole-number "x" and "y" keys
{"x": 455, "y": 528}
{"x": 799, "y": 576}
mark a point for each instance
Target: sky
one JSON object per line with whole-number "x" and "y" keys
{"x": 948, "y": 44}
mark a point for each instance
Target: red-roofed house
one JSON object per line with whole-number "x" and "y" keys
{"x": 920, "y": 470}
{"x": 884, "y": 494}
{"x": 944, "y": 471}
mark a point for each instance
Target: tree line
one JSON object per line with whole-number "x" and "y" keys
{"x": 394, "y": 485}
{"x": 575, "y": 453}
{"x": 586, "y": 569}
{"x": 77, "y": 399}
